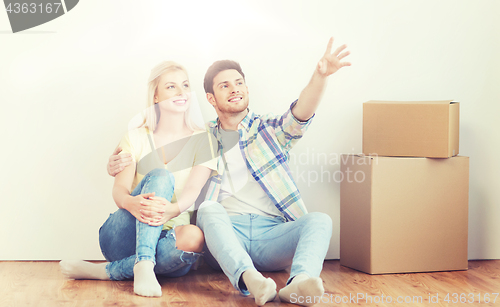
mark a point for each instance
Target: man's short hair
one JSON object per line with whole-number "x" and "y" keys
{"x": 215, "y": 69}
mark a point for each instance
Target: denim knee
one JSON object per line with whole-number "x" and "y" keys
{"x": 117, "y": 221}
{"x": 209, "y": 209}
{"x": 162, "y": 174}
{"x": 319, "y": 221}
{"x": 117, "y": 235}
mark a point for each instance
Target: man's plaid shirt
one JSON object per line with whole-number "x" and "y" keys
{"x": 265, "y": 142}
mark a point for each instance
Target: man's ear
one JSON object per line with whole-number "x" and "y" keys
{"x": 211, "y": 99}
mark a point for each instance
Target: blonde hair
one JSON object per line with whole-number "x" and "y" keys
{"x": 153, "y": 110}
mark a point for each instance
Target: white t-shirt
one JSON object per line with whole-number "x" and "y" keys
{"x": 240, "y": 193}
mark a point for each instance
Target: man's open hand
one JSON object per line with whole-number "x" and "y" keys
{"x": 331, "y": 62}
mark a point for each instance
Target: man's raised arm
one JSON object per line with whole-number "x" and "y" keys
{"x": 311, "y": 95}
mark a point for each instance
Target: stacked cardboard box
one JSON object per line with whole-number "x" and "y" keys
{"x": 404, "y": 203}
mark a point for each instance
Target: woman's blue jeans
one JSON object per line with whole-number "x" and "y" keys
{"x": 124, "y": 240}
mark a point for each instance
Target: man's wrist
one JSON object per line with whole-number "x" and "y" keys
{"x": 319, "y": 76}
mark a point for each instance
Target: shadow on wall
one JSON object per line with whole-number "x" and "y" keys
{"x": 479, "y": 237}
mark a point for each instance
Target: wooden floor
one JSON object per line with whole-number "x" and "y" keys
{"x": 42, "y": 284}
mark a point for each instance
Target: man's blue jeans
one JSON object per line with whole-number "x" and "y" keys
{"x": 240, "y": 242}
{"x": 124, "y": 240}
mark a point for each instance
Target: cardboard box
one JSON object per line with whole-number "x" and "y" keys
{"x": 404, "y": 214}
{"x": 411, "y": 129}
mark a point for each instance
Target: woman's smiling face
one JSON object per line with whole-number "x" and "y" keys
{"x": 173, "y": 92}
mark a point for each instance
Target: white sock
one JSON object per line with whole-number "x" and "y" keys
{"x": 79, "y": 269}
{"x": 145, "y": 282}
{"x": 263, "y": 289}
{"x": 303, "y": 290}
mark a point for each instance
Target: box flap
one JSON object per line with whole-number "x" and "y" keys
{"x": 412, "y": 102}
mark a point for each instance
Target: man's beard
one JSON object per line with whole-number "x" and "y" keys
{"x": 233, "y": 109}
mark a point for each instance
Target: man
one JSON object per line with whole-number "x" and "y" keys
{"x": 254, "y": 218}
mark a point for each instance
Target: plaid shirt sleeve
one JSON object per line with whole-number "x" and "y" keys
{"x": 265, "y": 141}
{"x": 287, "y": 128}
{"x": 214, "y": 182}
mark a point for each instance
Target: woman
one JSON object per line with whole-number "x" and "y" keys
{"x": 150, "y": 233}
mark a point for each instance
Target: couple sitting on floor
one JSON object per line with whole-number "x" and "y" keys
{"x": 253, "y": 217}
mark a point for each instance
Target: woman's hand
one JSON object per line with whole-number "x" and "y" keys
{"x": 158, "y": 211}
{"x": 134, "y": 205}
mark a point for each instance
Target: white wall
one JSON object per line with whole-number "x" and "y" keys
{"x": 69, "y": 87}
